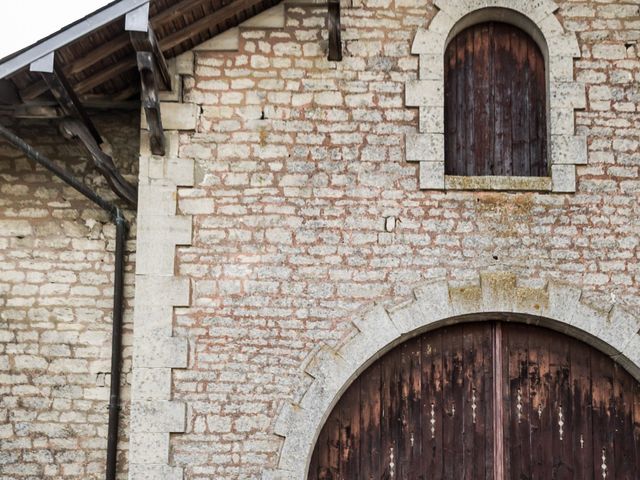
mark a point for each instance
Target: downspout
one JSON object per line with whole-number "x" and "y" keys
{"x": 118, "y": 286}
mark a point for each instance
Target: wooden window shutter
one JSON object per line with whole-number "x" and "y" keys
{"x": 495, "y": 103}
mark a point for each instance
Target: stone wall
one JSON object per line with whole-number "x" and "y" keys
{"x": 305, "y": 210}
{"x": 56, "y": 298}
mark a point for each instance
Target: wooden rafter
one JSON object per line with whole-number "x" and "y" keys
{"x": 161, "y": 19}
{"x": 219, "y": 16}
{"x": 151, "y": 101}
{"x": 335, "y": 40}
{"x": 144, "y": 39}
{"x": 8, "y": 93}
{"x": 102, "y": 161}
{"x": 153, "y": 69}
{"x": 63, "y": 93}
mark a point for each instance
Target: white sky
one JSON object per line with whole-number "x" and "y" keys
{"x": 23, "y": 22}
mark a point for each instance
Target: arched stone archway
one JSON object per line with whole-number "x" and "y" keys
{"x": 564, "y": 93}
{"x": 496, "y": 296}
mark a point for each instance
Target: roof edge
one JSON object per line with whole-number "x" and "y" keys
{"x": 11, "y": 64}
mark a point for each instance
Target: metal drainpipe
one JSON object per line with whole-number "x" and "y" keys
{"x": 118, "y": 286}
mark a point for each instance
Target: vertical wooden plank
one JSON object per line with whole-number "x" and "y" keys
{"x": 450, "y": 112}
{"x": 498, "y": 407}
{"x": 403, "y": 388}
{"x": 481, "y": 115}
{"x": 561, "y": 452}
{"x": 389, "y": 424}
{"x": 624, "y": 448}
{"x": 469, "y": 162}
{"x": 539, "y": 411}
{"x": 461, "y": 106}
{"x": 518, "y": 405}
{"x": 580, "y": 427}
{"x": 538, "y": 117}
{"x": 488, "y": 407}
{"x": 416, "y": 423}
{"x": 602, "y": 416}
{"x": 636, "y": 424}
{"x": 520, "y": 109}
{"x": 314, "y": 464}
{"x": 474, "y": 421}
{"x": 432, "y": 388}
{"x": 333, "y": 441}
{"x": 349, "y": 414}
{"x": 370, "y": 415}
{"x": 502, "y": 66}
{"x": 456, "y": 406}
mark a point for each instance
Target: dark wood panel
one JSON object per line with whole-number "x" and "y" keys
{"x": 495, "y": 103}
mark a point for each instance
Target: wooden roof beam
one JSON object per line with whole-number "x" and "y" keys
{"x": 335, "y": 40}
{"x": 62, "y": 92}
{"x": 216, "y": 18}
{"x": 151, "y": 101}
{"x": 144, "y": 39}
{"x": 152, "y": 67}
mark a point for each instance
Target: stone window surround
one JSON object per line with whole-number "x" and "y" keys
{"x": 564, "y": 94}
{"x": 494, "y": 296}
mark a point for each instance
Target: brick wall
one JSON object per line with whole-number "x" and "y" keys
{"x": 56, "y": 297}
{"x": 305, "y": 210}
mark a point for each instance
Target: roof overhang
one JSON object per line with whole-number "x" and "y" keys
{"x": 15, "y": 62}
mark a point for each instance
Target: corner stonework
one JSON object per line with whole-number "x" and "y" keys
{"x": 565, "y": 95}
{"x": 154, "y": 414}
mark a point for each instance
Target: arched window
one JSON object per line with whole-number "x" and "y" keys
{"x": 495, "y": 103}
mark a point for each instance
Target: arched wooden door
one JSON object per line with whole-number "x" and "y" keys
{"x": 489, "y": 400}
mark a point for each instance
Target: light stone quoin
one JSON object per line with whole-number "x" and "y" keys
{"x": 566, "y": 149}
{"x": 154, "y": 415}
{"x": 495, "y": 296}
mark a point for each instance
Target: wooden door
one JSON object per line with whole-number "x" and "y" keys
{"x": 485, "y": 401}
{"x": 495, "y": 103}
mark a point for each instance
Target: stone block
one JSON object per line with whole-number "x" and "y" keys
{"x": 562, "y": 303}
{"x": 154, "y": 472}
{"x": 329, "y": 367}
{"x": 497, "y": 291}
{"x": 432, "y": 120}
{"x": 162, "y": 291}
{"x": 157, "y": 416}
{"x": 152, "y": 320}
{"x": 431, "y": 67}
{"x": 442, "y": 23}
{"x": 569, "y": 149}
{"x": 151, "y": 383}
{"x": 424, "y": 93}
{"x": 550, "y": 26}
{"x": 432, "y": 175}
{"x": 567, "y": 95}
{"x": 428, "y": 42}
{"x": 561, "y": 69}
{"x": 149, "y": 448}
{"x": 425, "y": 147}
{"x": 176, "y": 116}
{"x": 184, "y": 63}
{"x": 565, "y": 45}
{"x": 160, "y": 352}
{"x": 156, "y": 200}
{"x": 563, "y": 178}
{"x": 562, "y": 121}
{"x": 466, "y": 300}
{"x": 167, "y": 171}
{"x": 433, "y": 301}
